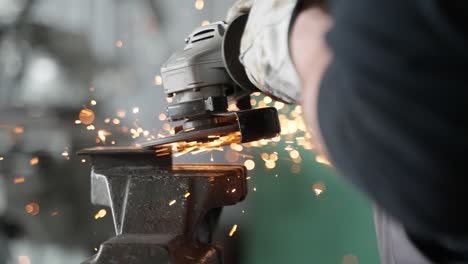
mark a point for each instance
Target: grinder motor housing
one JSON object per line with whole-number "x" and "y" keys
{"x": 204, "y": 78}
{"x": 207, "y": 74}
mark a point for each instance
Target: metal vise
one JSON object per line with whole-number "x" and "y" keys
{"x": 163, "y": 213}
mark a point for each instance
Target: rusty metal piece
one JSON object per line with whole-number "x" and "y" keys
{"x": 163, "y": 213}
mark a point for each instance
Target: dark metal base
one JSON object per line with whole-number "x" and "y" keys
{"x": 163, "y": 213}
{"x": 141, "y": 249}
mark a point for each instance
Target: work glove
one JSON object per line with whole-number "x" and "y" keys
{"x": 264, "y": 50}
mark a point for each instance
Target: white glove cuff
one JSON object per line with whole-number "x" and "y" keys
{"x": 265, "y": 49}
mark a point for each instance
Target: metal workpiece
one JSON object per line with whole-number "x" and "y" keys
{"x": 162, "y": 212}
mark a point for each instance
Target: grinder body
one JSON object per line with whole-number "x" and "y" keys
{"x": 203, "y": 79}
{"x": 200, "y": 79}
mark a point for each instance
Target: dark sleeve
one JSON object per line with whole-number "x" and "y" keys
{"x": 393, "y": 111}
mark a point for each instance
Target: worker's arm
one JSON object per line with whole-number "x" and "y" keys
{"x": 393, "y": 113}
{"x": 311, "y": 57}
{"x": 392, "y": 108}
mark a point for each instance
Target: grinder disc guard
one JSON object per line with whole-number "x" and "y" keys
{"x": 250, "y": 125}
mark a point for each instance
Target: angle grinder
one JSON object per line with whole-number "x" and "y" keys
{"x": 202, "y": 80}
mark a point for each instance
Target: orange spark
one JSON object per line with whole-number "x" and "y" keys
{"x": 86, "y": 116}
{"x": 157, "y": 80}
{"x": 201, "y": 146}
{"x": 19, "y": 180}
{"x": 102, "y": 134}
{"x": 119, "y": 44}
{"x": 237, "y": 147}
{"x": 100, "y": 214}
{"x": 294, "y": 154}
{"x": 279, "y": 105}
{"x": 199, "y": 4}
{"x": 34, "y": 161}
{"x": 32, "y": 208}
{"x": 162, "y": 117}
{"x": 318, "y": 188}
{"x": 274, "y": 156}
{"x": 249, "y": 164}
{"x": 323, "y": 160}
{"x": 233, "y": 230}
{"x": 121, "y": 113}
{"x": 270, "y": 164}
{"x": 18, "y": 130}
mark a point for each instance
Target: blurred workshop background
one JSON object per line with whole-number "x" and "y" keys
{"x": 76, "y": 74}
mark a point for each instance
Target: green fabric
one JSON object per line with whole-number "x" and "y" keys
{"x": 289, "y": 224}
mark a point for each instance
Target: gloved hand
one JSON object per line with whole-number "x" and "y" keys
{"x": 284, "y": 52}
{"x": 265, "y": 48}
{"x": 239, "y": 8}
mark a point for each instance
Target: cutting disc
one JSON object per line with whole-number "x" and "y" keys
{"x": 252, "y": 124}
{"x": 195, "y": 135}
